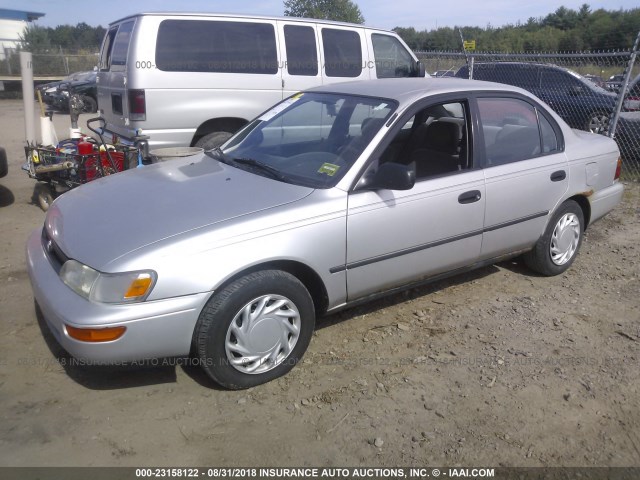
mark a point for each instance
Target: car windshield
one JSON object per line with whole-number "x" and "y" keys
{"x": 310, "y": 139}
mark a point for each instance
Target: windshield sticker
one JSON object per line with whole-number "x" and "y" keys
{"x": 329, "y": 169}
{"x": 280, "y": 107}
{"x": 380, "y": 107}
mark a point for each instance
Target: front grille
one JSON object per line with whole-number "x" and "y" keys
{"x": 55, "y": 255}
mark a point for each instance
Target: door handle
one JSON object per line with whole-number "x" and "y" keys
{"x": 470, "y": 196}
{"x": 558, "y": 176}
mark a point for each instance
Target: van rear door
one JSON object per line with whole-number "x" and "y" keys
{"x": 112, "y": 75}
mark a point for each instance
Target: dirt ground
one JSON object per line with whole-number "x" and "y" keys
{"x": 499, "y": 367}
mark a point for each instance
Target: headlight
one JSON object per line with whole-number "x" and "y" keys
{"x": 124, "y": 287}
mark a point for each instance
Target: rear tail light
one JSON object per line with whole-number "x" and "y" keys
{"x": 618, "y": 169}
{"x": 137, "y": 105}
{"x": 632, "y": 104}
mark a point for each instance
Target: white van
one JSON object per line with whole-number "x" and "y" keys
{"x": 189, "y": 79}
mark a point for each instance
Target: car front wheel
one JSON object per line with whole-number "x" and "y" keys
{"x": 558, "y": 247}
{"x": 255, "y": 329}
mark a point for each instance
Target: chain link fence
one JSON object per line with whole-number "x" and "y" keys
{"x": 576, "y": 85}
{"x": 54, "y": 63}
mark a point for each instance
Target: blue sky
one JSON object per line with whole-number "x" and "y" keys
{"x": 421, "y": 14}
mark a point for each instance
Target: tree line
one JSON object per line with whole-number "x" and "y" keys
{"x": 81, "y": 37}
{"x": 563, "y": 30}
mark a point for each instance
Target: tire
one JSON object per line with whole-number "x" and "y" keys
{"x": 4, "y": 163}
{"x": 239, "y": 341}
{"x": 598, "y": 122}
{"x": 213, "y": 140}
{"x": 558, "y": 247}
{"x": 44, "y": 196}
{"x": 90, "y": 105}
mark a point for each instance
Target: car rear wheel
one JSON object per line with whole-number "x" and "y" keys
{"x": 558, "y": 247}
{"x": 598, "y": 122}
{"x": 255, "y": 329}
{"x": 90, "y": 105}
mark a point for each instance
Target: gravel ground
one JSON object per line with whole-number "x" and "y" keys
{"x": 498, "y": 367}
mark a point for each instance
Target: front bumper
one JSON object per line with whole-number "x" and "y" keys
{"x": 155, "y": 329}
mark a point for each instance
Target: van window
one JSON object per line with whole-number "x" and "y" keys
{"x": 107, "y": 46}
{"x": 302, "y": 55}
{"x": 392, "y": 59}
{"x": 121, "y": 44}
{"x": 212, "y": 46}
{"x": 342, "y": 53}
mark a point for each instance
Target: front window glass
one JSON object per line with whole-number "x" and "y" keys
{"x": 392, "y": 59}
{"x": 310, "y": 139}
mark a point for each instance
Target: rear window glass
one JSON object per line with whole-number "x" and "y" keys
{"x": 212, "y": 46}
{"x": 342, "y": 53}
{"x": 302, "y": 55}
{"x": 121, "y": 44}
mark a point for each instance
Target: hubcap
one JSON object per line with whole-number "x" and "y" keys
{"x": 565, "y": 239}
{"x": 262, "y": 334}
{"x": 598, "y": 124}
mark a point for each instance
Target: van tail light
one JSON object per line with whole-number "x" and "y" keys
{"x": 618, "y": 169}
{"x": 137, "y": 105}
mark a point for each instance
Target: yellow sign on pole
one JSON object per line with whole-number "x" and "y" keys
{"x": 469, "y": 44}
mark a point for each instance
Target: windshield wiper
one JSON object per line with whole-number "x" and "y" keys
{"x": 263, "y": 167}
{"x": 217, "y": 154}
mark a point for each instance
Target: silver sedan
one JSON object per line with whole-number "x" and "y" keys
{"x": 333, "y": 197}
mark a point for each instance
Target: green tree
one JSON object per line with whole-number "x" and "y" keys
{"x": 35, "y": 39}
{"x": 339, "y": 10}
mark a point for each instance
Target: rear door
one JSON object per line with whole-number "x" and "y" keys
{"x": 112, "y": 73}
{"x": 526, "y": 172}
{"x": 299, "y": 57}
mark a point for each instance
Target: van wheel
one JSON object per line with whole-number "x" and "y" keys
{"x": 213, "y": 140}
{"x": 255, "y": 329}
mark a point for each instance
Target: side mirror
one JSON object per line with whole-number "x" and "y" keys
{"x": 393, "y": 176}
{"x": 421, "y": 73}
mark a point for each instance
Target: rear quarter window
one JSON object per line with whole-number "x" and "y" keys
{"x": 214, "y": 46}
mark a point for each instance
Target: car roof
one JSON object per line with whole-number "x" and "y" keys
{"x": 248, "y": 17}
{"x": 408, "y": 90}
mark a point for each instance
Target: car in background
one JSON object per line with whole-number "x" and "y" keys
{"x": 632, "y": 96}
{"x": 615, "y": 82}
{"x": 49, "y": 91}
{"x": 444, "y": 73}
{"x": 598, "y": 80}
{"x": 85, "y": 88}
{"x": 332, "y": 197}
{"x": 579, "y": 102}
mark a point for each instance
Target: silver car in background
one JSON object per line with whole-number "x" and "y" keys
{"x": 332, "y": 197}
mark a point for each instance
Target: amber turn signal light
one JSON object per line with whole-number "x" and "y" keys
{"x": 95, "y": 334}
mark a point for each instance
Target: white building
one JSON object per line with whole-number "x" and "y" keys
{"x": 12, "y": 25}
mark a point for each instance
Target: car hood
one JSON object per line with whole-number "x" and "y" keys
{"x": 110, "y": 217}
